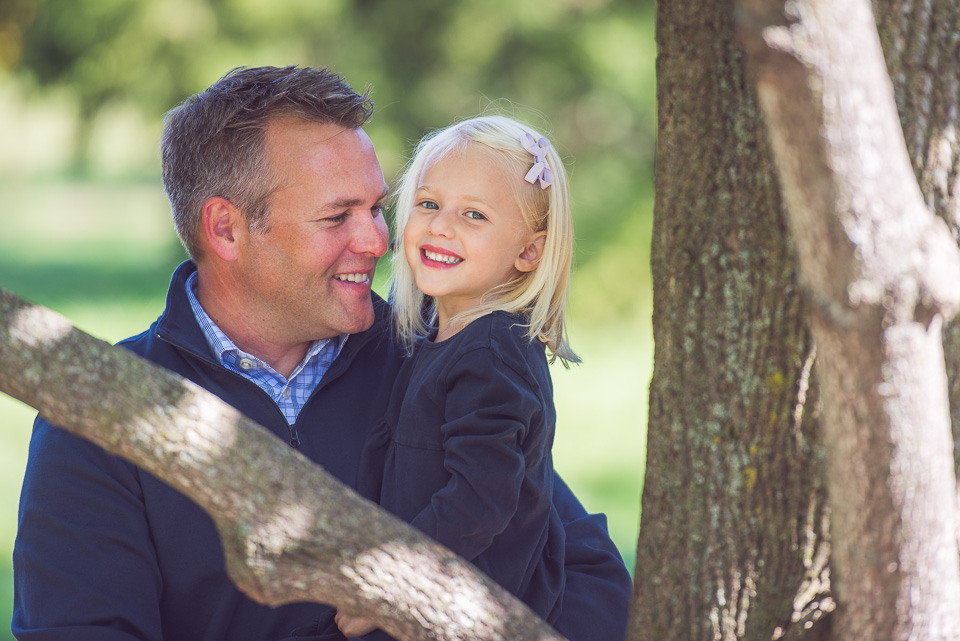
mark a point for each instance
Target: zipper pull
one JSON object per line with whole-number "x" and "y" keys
{"x": 294, "y": 437}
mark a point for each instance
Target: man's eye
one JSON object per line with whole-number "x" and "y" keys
{"x": 336, "y": 220}
{"x": 377, "y": 210}
{"x": 475, "y": 215}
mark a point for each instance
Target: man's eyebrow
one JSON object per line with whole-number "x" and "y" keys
{"x": 347, "y": 203}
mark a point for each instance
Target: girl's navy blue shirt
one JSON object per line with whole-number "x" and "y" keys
{"x": 466, "y": 446}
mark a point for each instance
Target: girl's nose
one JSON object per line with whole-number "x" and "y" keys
{"x": 440, "y": 225}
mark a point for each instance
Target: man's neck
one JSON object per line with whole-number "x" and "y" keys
{"x": 245, "y": 332}
{"x": 282, "y": 358}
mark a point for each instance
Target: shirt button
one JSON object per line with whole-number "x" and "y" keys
{"x": 286, "y": 393}
{"x": 245, "y": 363}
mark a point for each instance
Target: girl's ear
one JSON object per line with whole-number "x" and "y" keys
{"x": 220, "y": 222}
{"x": 530, "y": 257}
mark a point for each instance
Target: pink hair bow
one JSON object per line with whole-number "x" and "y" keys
{"x": 538, "y": 149}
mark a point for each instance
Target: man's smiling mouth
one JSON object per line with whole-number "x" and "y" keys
{"x": 359, "y": 277}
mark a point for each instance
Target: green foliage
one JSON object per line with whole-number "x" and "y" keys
{"x": 582, "y": 69}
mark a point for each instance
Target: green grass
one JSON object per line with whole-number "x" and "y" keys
{"x": 102, "y": 255}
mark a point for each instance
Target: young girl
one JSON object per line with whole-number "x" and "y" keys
{"x": 481, "y": 269}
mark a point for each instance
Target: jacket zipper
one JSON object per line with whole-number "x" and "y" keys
{"x": 294, "y": 436}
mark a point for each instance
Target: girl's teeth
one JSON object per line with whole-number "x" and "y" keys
{"x": 442, "y": 258}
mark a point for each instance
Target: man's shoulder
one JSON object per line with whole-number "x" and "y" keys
{"x": 140, "y": 343}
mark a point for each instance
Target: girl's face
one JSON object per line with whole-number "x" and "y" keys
{"x": 466, "y": 233}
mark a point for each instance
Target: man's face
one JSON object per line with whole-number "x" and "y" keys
{"x": 308, "y": 275}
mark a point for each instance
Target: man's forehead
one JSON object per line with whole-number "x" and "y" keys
{"x": 294, "y": 145}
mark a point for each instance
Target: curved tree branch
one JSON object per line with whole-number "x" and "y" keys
{"x": 291, "y": 532}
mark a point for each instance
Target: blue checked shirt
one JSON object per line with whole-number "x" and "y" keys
{"x": 289, "y": 394}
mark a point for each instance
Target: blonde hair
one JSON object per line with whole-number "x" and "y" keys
{"x": 540, "y": 294}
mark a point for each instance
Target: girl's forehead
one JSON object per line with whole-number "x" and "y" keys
{"x": 468, "y": 158}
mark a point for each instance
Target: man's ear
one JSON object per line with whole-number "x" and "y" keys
{"x": 221, "y": 223}
{"x": 530, "y": 257}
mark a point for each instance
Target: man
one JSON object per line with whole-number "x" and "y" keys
{"x": 276, "y": 193}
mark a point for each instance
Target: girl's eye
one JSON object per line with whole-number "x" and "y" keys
{"x": 475, "y": 215}
{"x": 427, "y": 204}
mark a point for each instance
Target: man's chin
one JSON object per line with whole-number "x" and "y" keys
{"x": 359, "y": 321}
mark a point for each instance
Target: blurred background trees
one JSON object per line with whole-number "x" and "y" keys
{"x": 85, "y": 229}
{"x": 84, "y": 87}
{"x": 580, "y": 68}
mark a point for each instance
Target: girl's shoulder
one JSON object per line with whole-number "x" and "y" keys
{"x": 496, "y": 329}
{"x": 504, "y": 336}
{"x": 494, "y": 347}
{"x": 497, "y": 337}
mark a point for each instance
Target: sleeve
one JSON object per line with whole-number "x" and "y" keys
{"x": 488, "y": 410}
{"x": 84, "y": 566}
{"x": 596, "y": 599}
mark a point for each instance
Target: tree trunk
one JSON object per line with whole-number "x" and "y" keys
{"x": 883, "y": 272}
{"x": 290, "y": 531}
{"x": 732, "y": 541}
{"x": 922, "y": 54}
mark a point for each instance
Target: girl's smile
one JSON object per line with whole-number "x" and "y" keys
{"x": 433, "y": 254}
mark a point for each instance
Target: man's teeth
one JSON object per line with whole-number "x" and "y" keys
{"x": 442, "y": 258}
{"x": 352, "y": 278}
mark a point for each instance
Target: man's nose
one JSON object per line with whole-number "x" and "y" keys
{"x": 370, "y": 236}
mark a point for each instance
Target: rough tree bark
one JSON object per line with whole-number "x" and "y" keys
{"x": 291, "y": 532}
{"x": 721, "y": 258}
{"x": 732, "y": 539}
{"x": 883, "y": 272}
